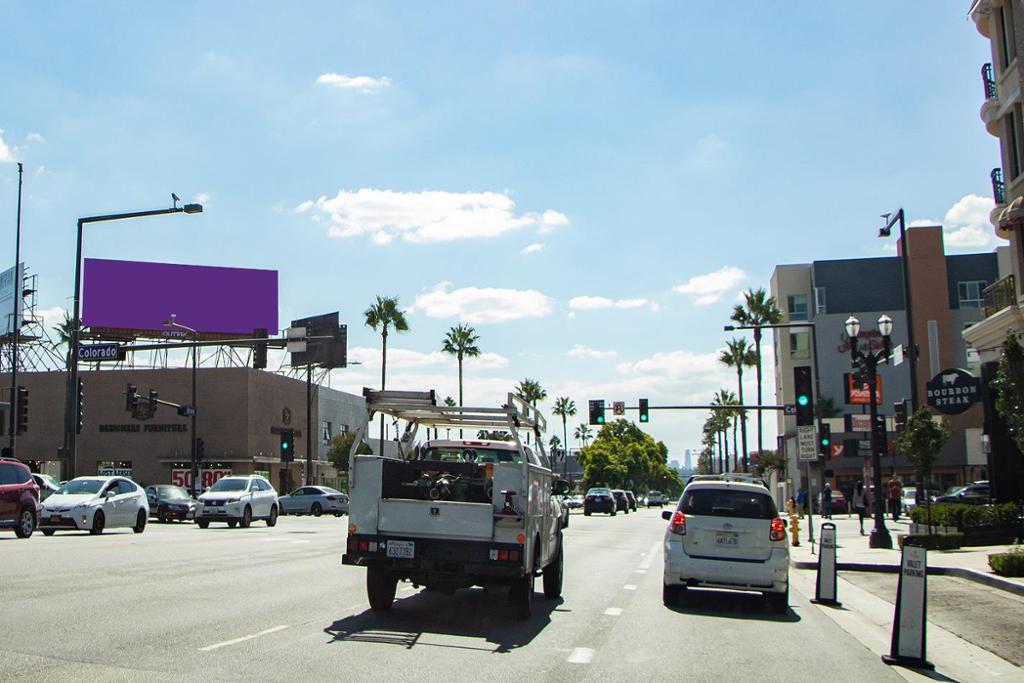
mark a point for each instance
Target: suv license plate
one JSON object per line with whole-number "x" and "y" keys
{"x": 405, "y": 550}
{"x": 726, "y": 538}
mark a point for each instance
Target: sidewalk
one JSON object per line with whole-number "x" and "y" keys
{"x": 853, "y": 553}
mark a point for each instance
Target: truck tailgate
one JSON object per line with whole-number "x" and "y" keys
{"x": 436, "y": 519}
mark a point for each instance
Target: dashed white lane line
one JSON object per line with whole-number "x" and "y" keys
{"x": 629, "y": 587}
{"x": 649, "y": 558}
{"x": 581, "y": 655}
{"x": 641, "y": 571}
{"x": 235, "y": 641}
{"x": 613, "y": 611}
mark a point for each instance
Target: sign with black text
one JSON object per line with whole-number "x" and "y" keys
{"x": 908, "y": 626}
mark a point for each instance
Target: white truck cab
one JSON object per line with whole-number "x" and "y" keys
{"x": 456, "y": 513}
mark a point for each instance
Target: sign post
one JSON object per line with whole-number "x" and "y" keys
{"x": 825, "y": 589}
{"x": 908, "y": 626}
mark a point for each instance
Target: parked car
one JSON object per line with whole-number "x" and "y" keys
{"x": 238, "y": 501}
{"x": 599, "y": 499}
{"x": 314, "y": 500}
{"x": 655, "y": 498}
{"x": 976, "y": 494}
{"x": 632, "y": 500}
{"x": 621, "y": 502}
{"x": 840, "y": 504}
{"x": 19, "y": 498}
{"x": 574, "y": 502}
{"x": 47, "y": 484}
{"x": 167, "y": 502}
{"x": 726, "y": 534}
{"x": 94, "y": 504}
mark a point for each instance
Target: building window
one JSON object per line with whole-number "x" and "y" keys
{"x": 971, "y": 293}
{"x": 1013, "y": 142}
{"x": 1008, "y": 41}
{"x": 799, "y": 346}
{"x": 325, "y": 429}
{"x": 797, "y": 306}
{"x": 819, "y": 301}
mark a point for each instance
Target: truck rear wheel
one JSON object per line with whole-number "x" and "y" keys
{"x": 521, "y": 596}
{"x": 553, "y": 575}
{"x": 380, "y": 588}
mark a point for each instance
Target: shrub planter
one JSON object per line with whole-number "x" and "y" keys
{"x": 991, "y": 535}
{"x": 931, "y": 541}
{"x": 1007, "y": 564}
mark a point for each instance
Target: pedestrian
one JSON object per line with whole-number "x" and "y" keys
{"x": 895, "y": 490}
{"x": 826, "y": 501}
{"x": 801, "y": 502}
{"x": 860, "y": 504}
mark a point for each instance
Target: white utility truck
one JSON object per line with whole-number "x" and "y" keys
{"x": 454, "y": 513}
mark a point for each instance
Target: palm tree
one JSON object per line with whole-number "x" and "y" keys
{"x": 532, "y": 392}
{"x": 448, "y": 401}
{"x": 724, "y": 397}
{"x": 583, "y": 434}
{"x": 564, "y": 408}
{"x": 760, "y": 309}
{"x": 554, "y": 443}
{"x": 64, "y": 330}
{"x": 461, "y": 342}
{"x": 384, "y": 314}
{"x": 738, "y": 354}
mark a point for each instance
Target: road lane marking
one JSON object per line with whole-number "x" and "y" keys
{"x": 613, "y": 611}
{"x": 641, "y": 571}
{"x": 581, "y": 655}
{"x": 235, "y": 641}
{"x": 629, "y": 587}
{"x": 646, "y": 564}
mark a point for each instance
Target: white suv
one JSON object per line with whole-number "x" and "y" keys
{"x": 238, "y": 501}
{"x": 726, "y": 534}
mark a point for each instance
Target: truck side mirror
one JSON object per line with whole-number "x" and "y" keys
{"x": 560, "y": 487}
{"x": 666, "y": 515}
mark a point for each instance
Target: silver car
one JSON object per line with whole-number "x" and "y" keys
{"x": 314, "y": 500}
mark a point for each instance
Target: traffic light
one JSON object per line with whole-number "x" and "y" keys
{"x": 22, "y": 410}
{"x": 824, "y": 438}
{"x": 804, "y": 395}
{"x": 200, "y": 449}
{"x": 597, "y": 411}
{"x": 152, "y": 401}
{"x": 81, "y": 406}
{"x": 259, "y": 351}
{"x": 644, "y": 414}
{"x": 131, "y": 397}
{"x": 900, "y": 415}
{"x": 287, "y": 445}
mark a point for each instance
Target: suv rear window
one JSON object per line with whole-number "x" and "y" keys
{"x": 13, "y": 474}
{"x": 728, "y": 503}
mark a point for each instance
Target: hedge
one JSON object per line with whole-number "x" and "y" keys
{"x": 964, "y": 516}
{"x": 932, "y": 541}
{"x": 1008, "y": 564}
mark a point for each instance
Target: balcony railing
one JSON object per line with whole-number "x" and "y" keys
{"x": 999, "y": 295}
{"x": 998, "y": 187}
{"x": 988, "y": 81}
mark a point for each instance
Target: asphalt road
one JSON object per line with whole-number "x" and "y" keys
{"x": 276, "y": 604}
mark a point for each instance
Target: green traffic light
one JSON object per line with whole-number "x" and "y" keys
{"x": 600, "y": 420}
{"x": 285, "y": 445}
{"x": 824, "y": 442}
{"x": 802, "y": 400}
{"x": 643, "y": 418}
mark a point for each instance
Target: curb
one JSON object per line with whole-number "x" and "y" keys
{"x": 959, "y": 572}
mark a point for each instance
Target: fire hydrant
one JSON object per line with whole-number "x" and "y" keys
{"x": 794, "y": 528}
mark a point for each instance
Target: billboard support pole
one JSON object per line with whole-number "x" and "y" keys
{"x": 309, "y": 424}
{"x": 16, "y": 323}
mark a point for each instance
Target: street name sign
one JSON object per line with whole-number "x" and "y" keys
{"x": 807, "y": 442}
{"x": 92, "y": 353}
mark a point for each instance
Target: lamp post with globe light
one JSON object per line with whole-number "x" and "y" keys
{"x": 867, "y": 361}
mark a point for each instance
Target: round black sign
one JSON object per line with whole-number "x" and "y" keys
{"x": 953, "y": 391}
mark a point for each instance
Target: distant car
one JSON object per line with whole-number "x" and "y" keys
{"x": 574, "y": 502}
{"x": 47, "y": 484}
{"x": 655, "y": 498}
{"x": 632, "y": 500}
{"x": 599, "y": 499}
{"x": 840, "y": 504}
{"x": 976, "y": 494}
{"x": 167, "y": 502}
{"x": 726, "y": 534}
{"x": 621, "y": 502}
{"x": 95, "y": 504}
{"x": 237, "y": 501}
{"x": 19, "y": 498}
{"x": 314, "y": 500}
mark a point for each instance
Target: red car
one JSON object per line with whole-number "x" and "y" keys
{"x": 19, "y": 498}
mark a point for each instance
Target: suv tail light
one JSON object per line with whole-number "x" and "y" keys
{"x": 678, "y": 523}
{"x": 778, "y": 530}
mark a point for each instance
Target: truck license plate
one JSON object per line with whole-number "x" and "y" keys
{"x": 405, "y": 550}
{"x": 726, "y": 538}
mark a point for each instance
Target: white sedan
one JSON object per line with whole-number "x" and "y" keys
{"x": 314, "y": 500}
{"x": 95, "y": 504}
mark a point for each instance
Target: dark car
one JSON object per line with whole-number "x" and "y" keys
{"x": 632, "y": 500}
{"x": 977, "y": 494}
{"x": 19, "y": 498}
{"x": 599, "y": 499}
{"x": 47, "y": 484}
{"x": 167, "y": 502}
{"x": 621, "y": 501}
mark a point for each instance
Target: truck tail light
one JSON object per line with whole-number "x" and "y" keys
{"x": 503, "y": 555}
{"x": 678, "y": 523}
{"x": 778, "y": 530}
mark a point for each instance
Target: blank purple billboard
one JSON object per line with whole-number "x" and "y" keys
{"x": 134, "y": 298}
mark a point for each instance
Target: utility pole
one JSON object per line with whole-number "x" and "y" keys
{"x": 16, "y": 319}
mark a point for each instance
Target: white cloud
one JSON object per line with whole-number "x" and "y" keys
{"x": 482, "y": 304}
{"x": 967, "y": 225}
{"x": 593, "y": 303}
{"x": 5, "y": 151}
{"x": 35, "y": 137}
{"x": 399, "y": 358}
{"x": 674, "y": 364}
{"x": 487, "y": 361}
{"x": 534, "y": 248}
{"x": 428, "y": 216}
{"x": 366, "y": 84}
{"x": 709, "y": 288}
{"x": 202, "y": 198}
{"x": 581, "y": 351}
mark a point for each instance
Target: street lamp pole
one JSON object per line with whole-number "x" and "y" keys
{"x": 880, "y": 537}
{"x": 70, "y": 404}
{"x": 16, "y": 320}
{"x": 195, "y": 417}
{"x": 885, "y": 231}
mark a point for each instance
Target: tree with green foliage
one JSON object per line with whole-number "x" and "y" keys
{"x": 337, "y": 451}
{"x": 583, "y": 434}
{"x": 565, "y": 408}
{"x": 758, "y": 309}
{"x": 738, "y": 354}
{"x": 920, "y": 442}
{"x": 624, "y": 456}
{"x": 1009, "y": 388}
{"x": 382, "y": 314}
{"x": 495, "y": 435}
{"x": 533, "y": 393}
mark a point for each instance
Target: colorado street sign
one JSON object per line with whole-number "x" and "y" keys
{"x": 92, "y": 353}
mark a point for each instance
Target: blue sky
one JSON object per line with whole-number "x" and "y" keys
{"x": 590, "y": 185}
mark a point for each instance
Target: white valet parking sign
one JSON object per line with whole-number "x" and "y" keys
{"x": 908, "y": 626}
{"x": 825, "y": 590}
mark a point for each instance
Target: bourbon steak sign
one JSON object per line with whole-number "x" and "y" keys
{"x": 953, "y": 391}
